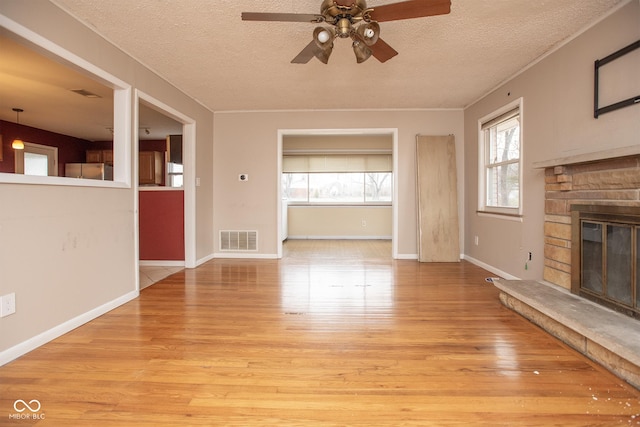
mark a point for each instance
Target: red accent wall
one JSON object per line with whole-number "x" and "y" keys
{"x": 162, "y": 225}
{"x": 70, "y": 149}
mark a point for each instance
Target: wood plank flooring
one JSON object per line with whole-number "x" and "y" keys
{"x": 323, "y": 339}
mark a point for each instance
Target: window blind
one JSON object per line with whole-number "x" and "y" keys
{"x": 501, "y": 118}
{"x": 337, "y": 163}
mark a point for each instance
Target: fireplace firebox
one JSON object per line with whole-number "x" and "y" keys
{"x": 606, "y": 256}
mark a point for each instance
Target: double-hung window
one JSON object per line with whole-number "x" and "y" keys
{"x": 501, "y": 161}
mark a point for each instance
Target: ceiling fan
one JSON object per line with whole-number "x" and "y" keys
{"x": 353, "y": 19}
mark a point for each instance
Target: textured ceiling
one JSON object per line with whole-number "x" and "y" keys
{"x": 448, "y": 61}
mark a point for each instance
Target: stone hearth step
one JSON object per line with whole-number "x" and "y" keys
{"x": 605, "y": 336}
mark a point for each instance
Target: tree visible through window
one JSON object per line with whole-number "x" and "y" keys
{"x": 341, "y": 187}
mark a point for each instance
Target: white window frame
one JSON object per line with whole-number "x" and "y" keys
{"x": 483, "y": 164}
{"x": 44, "y": 150}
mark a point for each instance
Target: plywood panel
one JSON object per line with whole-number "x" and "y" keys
{"x": 438, "y": 234}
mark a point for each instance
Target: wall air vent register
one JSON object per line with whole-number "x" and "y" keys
{"x": 236, "y": 241}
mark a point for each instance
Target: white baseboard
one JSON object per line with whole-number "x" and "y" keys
{"x": 339, "y": 237}
{"x": 407, "y": 256}
{"x": 205, "y": 259}
{"x": 244, "y": 255}
{"x": 57, "y": 331}
{"x": 491, "y": 268}
{"x": 148, "y": 263}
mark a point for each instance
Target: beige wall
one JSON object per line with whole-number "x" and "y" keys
{"x": 247, "y": 142}
{"x": 557, "y": 122}
{"x": 339, "y": 221}
{"x": 68, "y": 253}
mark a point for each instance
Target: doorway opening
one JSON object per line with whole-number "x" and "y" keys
{"x": 165, "y": 184}
{"x": 37, "y": 160}
{"x": 361, "y": 202}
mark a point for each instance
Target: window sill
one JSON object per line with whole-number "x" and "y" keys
{"x": 333, "y": 205}
{"x": 15, "y": 178}
{"x": 500, "y": 215}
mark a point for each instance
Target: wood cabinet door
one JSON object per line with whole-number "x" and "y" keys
{"x": 150, "y": 168}
{"x": 94, "y": 156}
{"x": 146, "y": 168}
{"x": 107, "y": 156}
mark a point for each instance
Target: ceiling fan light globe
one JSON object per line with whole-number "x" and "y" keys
{"x": 324, "y": 36}
{"x": 361, "y": 51}
{"x": 369, "y": 33}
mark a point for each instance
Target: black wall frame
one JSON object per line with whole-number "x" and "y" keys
{"x": 604, "y": 61}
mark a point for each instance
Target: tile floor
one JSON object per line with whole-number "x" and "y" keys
{"x": 152, "y": 274}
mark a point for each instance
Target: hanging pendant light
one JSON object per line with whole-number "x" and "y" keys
{"x": 17, "y": 143}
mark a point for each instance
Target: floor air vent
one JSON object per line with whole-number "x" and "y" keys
{"x": 238, "y": 240}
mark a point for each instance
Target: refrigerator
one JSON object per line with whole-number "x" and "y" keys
{"x": 101, "y": 171}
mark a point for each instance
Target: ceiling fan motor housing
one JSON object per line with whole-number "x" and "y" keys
{"x": 332, "y": 9}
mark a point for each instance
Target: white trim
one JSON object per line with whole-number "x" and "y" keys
{"x": 32, "y": 343}
{"x": 393, "y": 132}
{"x": 407, "y": 256}
{"x": 482, "y": 167}
{"x": 340, "y": 237}
{"x": 205, "y": 259}
{"x": 340, "y": 151}
{"x": 244, "y": 255}
{"x": 490, "y": 268}
{"x": 12, "y": 178}
{"x": 340, "y": 110}
{"x": 161, "y": 263}
{"x": 45, "y": 150}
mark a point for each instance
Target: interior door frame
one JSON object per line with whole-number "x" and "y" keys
{"x": 392, "y": 132}
{"x": 44, "y": 150}
{"x": 189, "y": 180}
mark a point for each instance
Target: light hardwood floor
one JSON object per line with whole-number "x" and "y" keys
{"x": 329, "y": 338}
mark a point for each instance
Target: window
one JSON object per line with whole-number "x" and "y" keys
{"x": 501, "y": 161}
{"x": 37, "y": 160}
{"x": 338, "y": 188}
{"x": 338, "y": 179}
{"x": 175, "y": 173}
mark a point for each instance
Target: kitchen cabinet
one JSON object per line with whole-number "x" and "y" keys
{"x": 150, "y": 167}
{"x": 100, "y": 156}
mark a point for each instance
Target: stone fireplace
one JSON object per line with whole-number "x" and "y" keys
{"x": 575, "y": 192}
{"x": 591, "y": 201}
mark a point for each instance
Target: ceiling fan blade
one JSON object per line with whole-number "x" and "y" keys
{"x": 282, "y": 17}
{"x": 306, "y": 54}
{"x": 382, "y": 51}
{"x": 410, "y": 9}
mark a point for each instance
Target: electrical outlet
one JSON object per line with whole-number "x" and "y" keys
{"x": 364, "y": 222}
{"x": 477, "y": 240}
{"x": 7, "y": 304}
